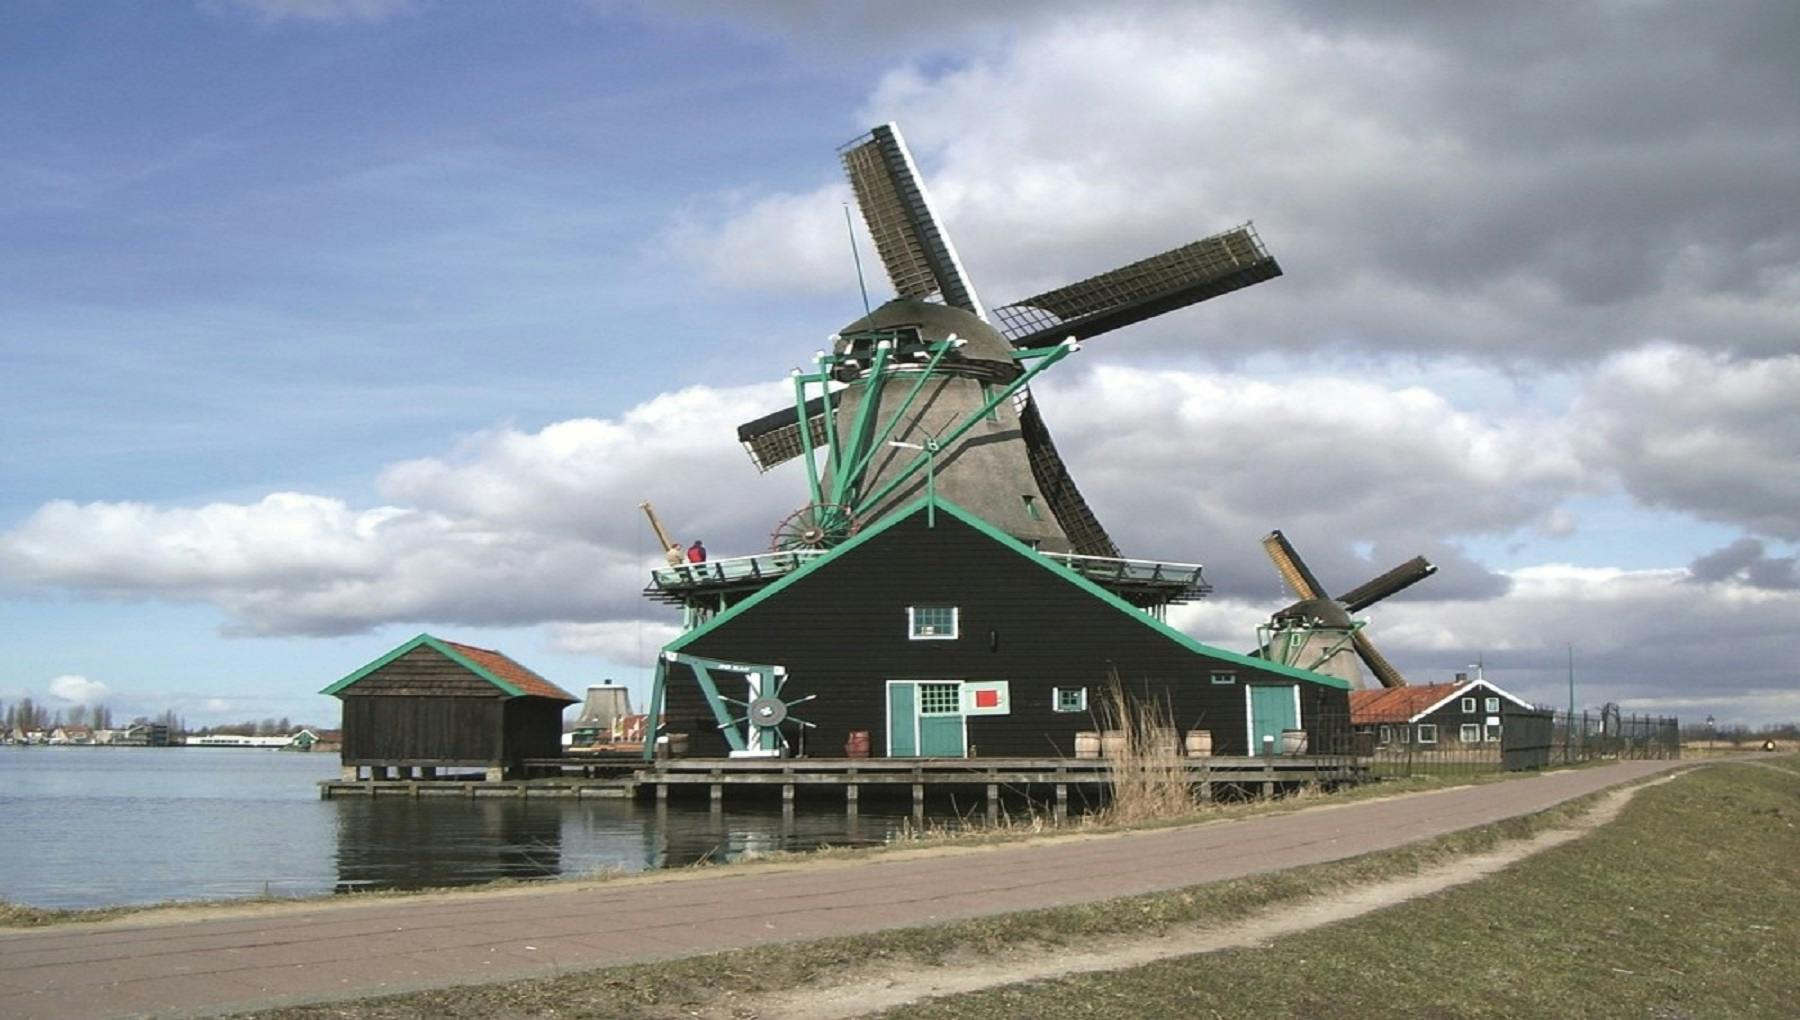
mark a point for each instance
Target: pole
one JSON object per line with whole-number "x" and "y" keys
{"x": 864, "y": 287}
{"x": 1569, "y": 730}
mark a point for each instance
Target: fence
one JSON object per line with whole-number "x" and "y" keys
{"x": 1608, "y": 734}
{"x": 1524, "y": 739}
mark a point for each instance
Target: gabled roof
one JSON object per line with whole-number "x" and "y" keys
{"x": 494, "y": 667}
{"x": 1008, "y": 542}
{"x": 1412, "y": 703}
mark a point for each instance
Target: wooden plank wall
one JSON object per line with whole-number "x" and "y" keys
{"x": 842, "y": 633}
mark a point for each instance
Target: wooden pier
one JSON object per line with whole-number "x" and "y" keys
{"x": 575, "y": 778}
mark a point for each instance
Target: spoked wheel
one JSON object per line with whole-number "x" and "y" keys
{"x": 814, "y": 526}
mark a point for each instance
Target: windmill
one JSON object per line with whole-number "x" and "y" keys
{"x": 1320, "y": 633}
{"x": 932, "y": 388}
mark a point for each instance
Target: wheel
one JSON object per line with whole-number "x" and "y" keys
{"x": 814, "y": 526}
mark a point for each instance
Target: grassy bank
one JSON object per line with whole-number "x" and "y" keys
{"x": 713, "y": 983}
{"x": 1683, "y": 907}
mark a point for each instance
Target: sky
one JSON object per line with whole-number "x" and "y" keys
{"x": 327, "y": 322}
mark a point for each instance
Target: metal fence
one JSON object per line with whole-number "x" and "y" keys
{"x": 1525, "y": 739}
{"x": 1609, "y": 734}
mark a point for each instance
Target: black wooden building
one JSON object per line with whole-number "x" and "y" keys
{"x": 942, "y": 636}
{"x": 432, "y": 704}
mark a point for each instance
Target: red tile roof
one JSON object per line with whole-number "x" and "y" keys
{"x": 1397, "y": 704}
{"x": 511, "y": 672}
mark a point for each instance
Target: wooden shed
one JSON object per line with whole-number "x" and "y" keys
{"x": 941, "y": 636}
{"x": 432, "y": 704}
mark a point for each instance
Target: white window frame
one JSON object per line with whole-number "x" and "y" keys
{"x": 1468, "y": 706}
{"x": 1224, "y": 677}
{"x": 1466, "y": 737}
{"x": 1406, "y": 734}
{"x": 1056, "y": 699}
{"x": 1387, "y": 734}
{"x": 1493, "y": 704}
{"x": 1428, "y": 733}
{"x": 912, "y": 625}
{"x": 1491, "y": 733}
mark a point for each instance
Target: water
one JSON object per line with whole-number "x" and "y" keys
{"x": 99, "y": 826}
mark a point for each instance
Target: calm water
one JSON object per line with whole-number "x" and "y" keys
{"x": 83, "y": 827}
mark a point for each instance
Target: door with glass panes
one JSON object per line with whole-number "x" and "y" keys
{"x": 925, "y": 719}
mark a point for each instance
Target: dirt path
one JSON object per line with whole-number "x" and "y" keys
{"x": 867, "y": 991}
{"x": 137, "y": 967}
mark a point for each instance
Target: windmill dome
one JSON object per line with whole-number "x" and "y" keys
{"x": 934, "y": 322}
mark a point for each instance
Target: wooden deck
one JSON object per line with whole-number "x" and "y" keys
{"x": 587, "y": 778}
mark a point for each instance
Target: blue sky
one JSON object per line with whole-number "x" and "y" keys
{"x": 326, "y": 322}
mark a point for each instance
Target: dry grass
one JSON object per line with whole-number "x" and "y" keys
{"x": 1149, "y": 775}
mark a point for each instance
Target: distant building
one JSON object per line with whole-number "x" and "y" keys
{"x": 432, "y": 704}
{"x": 1433, "y": 715}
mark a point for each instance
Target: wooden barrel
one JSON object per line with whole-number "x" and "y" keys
{"x": 1112, "y": 743}
{"x": 1293, "y": 741}
{"x": 678, "y": 745}
{"x": 1199, "y": 743}
{"x": 1165, "y": 744}
{"x": 1087, "y": 744}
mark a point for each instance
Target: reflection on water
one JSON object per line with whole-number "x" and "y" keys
{"x": 91, "y": 827}
{"x": 403, "y": 843}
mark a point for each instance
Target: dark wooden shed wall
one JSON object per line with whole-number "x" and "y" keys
{"x": 842, "y": 633}
{"x": 424, "y": 709}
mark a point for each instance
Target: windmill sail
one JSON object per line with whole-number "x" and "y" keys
{"x": 919, "y": 257}
{"x": 775, "y": 438}
{"x": 1087, "y": 537}
{"x": 1144, "y": 289}
{"x": 1292, "y": 568}
{"x": 1403, "y": 576}
{"x": 1378, "y": 664}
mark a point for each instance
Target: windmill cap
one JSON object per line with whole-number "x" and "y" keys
{"x": 982, "y": 342}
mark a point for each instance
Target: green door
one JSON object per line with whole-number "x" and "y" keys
{"x": 940, "y": 720}
{"x": 1272, "y": 709}
{"x": 925, "y": 720}
{"x": 903, "y": 721}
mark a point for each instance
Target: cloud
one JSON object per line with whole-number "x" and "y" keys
{"x": 1704, "y": 433}
{"x": 317, "y": 11}
{"x": 1550, "y": 185}
{"x": 1747, "y": 562}
{"x": 626, "y": 642}
{"x": 513, "y": 528}
{"x": 1181, "y": 465}
{"x": 79, "y": 690}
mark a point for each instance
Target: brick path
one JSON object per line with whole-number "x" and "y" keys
{"x": 310, "y": 954}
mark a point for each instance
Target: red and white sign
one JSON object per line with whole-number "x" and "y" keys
{"x": 986, "y": 697}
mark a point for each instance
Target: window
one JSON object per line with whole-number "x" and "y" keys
{"x": 1069, "y": 699}
{"x": 1031, "y": 508}
{"x": 1427, "y": 733}
{"x": 1468, "y": 706}
{"x": 1493, "y": 704}
{"x": 940, "y": 699}
{"x": 1224, "y": 676}
{"x": 1471, "y": 733}
{"x": 931, "y": 623}
{"x": 1493, "y": 731}
{"x": 1405, "y": 734}
{"x": 1387, "y": 734}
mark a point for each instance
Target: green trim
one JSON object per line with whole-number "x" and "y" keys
{"x": 435, "y": 645}
{"x": 1028, "y": 553}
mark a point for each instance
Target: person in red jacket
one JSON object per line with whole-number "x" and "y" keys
{"x": 696, "y": 553}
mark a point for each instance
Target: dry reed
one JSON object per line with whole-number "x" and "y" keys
{"x": 1149, "y": 775}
